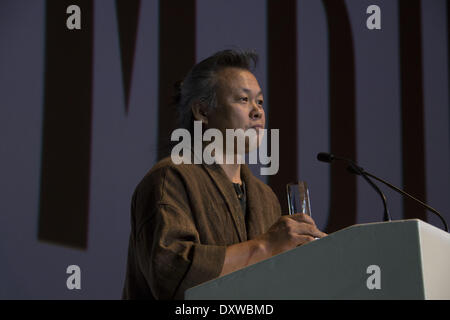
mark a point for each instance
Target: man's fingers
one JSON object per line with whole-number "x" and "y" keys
{"x": 301, "y": 217}
{"x": 302, "y": 239}
{"x": 303, "y": 228}
{"x": 321, "y": 234}
{"x": 313, "y": 231}
{"x": 307, "y": 225}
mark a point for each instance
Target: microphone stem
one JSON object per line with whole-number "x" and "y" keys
{"x": 328, "y": 157}
{"x": 408, "y": 195}
{"x": 387, "y": 216}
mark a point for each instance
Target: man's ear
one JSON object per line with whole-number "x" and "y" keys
{"x": 199, "y": 111}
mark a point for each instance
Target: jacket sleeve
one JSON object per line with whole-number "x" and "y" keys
{"x": 169, "y": 251}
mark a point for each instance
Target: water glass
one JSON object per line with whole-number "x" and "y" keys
{"x": 298, "y": 198}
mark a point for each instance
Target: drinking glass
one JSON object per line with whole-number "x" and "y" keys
{"x": 298, "y": 198}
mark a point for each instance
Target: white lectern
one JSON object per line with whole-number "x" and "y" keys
{"x": 406, "y": 259}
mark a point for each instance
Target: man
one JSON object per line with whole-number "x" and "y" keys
{"x": 191, "y": 223}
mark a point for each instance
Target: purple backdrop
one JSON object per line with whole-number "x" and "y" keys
{"x": 124, "y": 144}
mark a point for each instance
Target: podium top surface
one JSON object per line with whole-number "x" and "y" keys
{"x": 413, "y": 256}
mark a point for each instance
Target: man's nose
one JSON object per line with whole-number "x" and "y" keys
{"x": 256, "y": 112}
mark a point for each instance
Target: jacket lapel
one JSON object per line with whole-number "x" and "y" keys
{"x": 226, "y": 189}
{"x": 255, "y": 205}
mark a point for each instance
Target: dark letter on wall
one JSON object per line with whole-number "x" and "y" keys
{"x": 282, "y": 80}
{"x": 66, "y": 141}
{"x": 343, "y": 191}
{"x": 176, "y": 58}
{"x": 413, "y": 142}
{"x": 128, "y": 21}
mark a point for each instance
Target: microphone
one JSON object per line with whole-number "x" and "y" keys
{"x": 353, "y": 168}
{"x": 325, "y": 157}
{"x": 328, "y": 157}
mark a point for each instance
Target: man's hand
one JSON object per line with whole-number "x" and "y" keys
{"x": 289, "y": 232}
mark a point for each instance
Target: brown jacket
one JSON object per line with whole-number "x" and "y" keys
{"x": 182, "y": 219}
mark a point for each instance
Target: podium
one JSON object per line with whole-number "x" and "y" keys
{"x": 405, "y": 259}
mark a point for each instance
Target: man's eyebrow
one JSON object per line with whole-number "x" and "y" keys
{"x": 246, "y": 90}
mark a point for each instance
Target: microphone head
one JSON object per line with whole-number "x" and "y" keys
{"x": 325, "y": 157}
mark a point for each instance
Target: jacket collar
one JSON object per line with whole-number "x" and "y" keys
{"x": 227, "y": 190}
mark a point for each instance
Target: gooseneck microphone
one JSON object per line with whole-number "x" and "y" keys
{"x": 328, "y": 157}
{"x": 353, "y": 168}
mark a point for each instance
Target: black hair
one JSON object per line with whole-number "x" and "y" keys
{"x": 200, "y": 82}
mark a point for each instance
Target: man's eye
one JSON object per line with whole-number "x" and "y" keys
{"x": 260, "y": 102}
{"x": 245, "y": 99}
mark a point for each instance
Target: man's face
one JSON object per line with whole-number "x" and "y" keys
{"x": 239, "y": 102}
